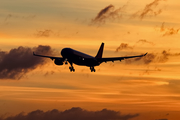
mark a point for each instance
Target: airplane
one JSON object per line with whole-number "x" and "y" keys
{"x": 73, "y": 56}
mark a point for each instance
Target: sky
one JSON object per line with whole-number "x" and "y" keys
{"x": 134, "y": 89}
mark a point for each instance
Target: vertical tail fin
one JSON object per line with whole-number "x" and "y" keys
{"x": 100, "y": 52}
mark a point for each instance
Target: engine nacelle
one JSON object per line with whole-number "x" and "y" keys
{"x": 58, "y": 62}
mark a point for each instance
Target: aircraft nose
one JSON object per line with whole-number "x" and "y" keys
{"x": 65, "y": 52}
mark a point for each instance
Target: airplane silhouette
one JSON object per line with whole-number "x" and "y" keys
{"x": 79, "y": 58}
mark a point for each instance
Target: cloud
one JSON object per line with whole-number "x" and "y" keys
{"x": 152, "y": 69}
{"x": 154, "y": 57}
{"x": 49, "y": 73}
{"x": 171, "y": 31}
{"x": 8, "y": 17}
{"x": 19, "y": 61}
{"x": 161, "y": 119}
{"x": 123, "y": 46}
{"x": 74, "y": 113}
{"x": 13, "y": 16}
{"x": 168, "y": 31}
{"x": 108, "y": 13}
{"x": 44, "y": 33}
{"x": 149, "y": 9}
{"x": 145, "y": 41}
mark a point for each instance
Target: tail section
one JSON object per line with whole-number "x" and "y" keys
{"x": 100, "y": 52}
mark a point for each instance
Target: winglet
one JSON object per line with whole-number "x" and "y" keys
{"x": 100, "y": 52}
{"x": 145, "y": 54}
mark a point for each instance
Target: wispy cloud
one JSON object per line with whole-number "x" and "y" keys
{"x": 154, "y": 57}
{"x": 126, "y": 46}
{"x": 19, "y": 61}
{"x": 123, "y": 46}
{"x": 109, "y": 13}
{"x": 145, "y": 41}
{"x": 44, "y": 33}
{"x": 168, "y": 31}
{"x": 150, "y": 9}
{"x": 14, "y": 16}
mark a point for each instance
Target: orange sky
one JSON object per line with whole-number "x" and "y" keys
{"x": 127, "y": 86}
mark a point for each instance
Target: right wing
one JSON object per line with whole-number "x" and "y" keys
{"x": 117, "y": 58}
{"x": 48, "y": 56}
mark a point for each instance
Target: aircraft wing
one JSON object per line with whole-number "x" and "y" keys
{"x": 48, "y": 56}
{"x": 118, "y": 58}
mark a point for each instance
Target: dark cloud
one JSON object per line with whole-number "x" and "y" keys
{"x": 44, "y": 33}
{"x": 19, "y": 61}
{"x": 72, "y": 114}
{"x": 123, "y": 46}
{"x": 149, "y": 9}
{"x": 168, "y": 31}
{"x": 108, "y": 13}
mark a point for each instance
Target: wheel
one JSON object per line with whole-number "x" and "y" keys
{"x": 92, "y": 69}
{"x": 71, "y": 69}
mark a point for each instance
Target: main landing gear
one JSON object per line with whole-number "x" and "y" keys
{"x": 92, "y": 69}
{"x": 71, "y": 68}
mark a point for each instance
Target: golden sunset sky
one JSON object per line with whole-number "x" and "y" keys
{"x": 149, "y": 86}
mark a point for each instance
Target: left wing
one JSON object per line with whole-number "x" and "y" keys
{"x": 117, "y": 58}
{"x": 48, "y": 56}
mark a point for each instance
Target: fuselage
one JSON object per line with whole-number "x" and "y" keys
{"x": 79, "y": 58}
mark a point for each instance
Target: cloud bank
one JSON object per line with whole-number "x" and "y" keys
{"x": 75, "y": 113}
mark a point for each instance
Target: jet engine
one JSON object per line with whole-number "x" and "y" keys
{"x": 58, "y": 61}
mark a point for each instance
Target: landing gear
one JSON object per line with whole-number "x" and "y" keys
{"x": 92, "y": 69}
{"x": 71, "y": 68}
